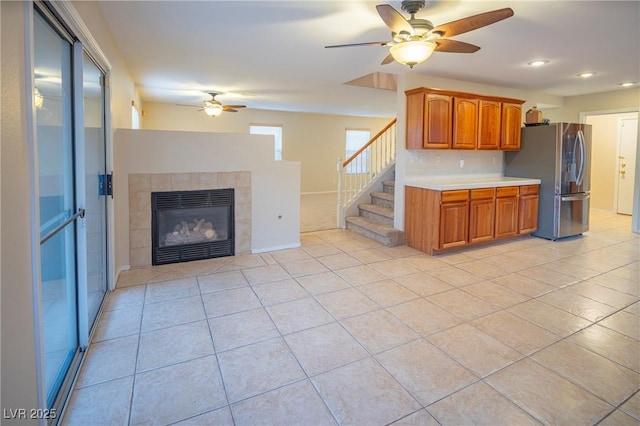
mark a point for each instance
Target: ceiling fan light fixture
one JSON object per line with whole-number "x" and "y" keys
{"x": 412, "y": 52}
{"x": 212, "y": 109}
{"x": 538, "y": 63}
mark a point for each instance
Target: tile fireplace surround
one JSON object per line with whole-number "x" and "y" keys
{"x": 142, "y": 185}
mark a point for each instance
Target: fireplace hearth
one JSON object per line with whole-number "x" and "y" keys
{"x": 192, "y": 225}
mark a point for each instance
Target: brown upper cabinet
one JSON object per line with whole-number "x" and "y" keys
{"x": 429, "y": 121}
{"x": 511, "y": 119}
{"x": 490, "y": 122}
{"x": 439, "y": 119}
{"x": 465, "y": 123}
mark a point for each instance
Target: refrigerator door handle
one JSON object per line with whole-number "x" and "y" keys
{"x": 580, "y": 142}
{"x": 574, "y": 197}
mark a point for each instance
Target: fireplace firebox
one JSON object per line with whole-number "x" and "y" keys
{"x": 192, "y": 225}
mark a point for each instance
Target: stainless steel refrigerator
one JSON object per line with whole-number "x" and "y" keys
{"x": 559, "y": 154}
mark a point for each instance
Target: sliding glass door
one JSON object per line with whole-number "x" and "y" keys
{"x": 58, "y": 205}
{"x": 95, "y": 199}
{"x": 70, "y": 159}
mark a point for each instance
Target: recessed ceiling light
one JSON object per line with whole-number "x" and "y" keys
{"x": 538, "y": 63}
{"x": 627, "y": 83}
{"x": 586, "y": 74}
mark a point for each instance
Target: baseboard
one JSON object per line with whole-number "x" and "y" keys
{"x": 603, "y": 211}
{"x": 276, "y": 248}
{"x": 319, "y": 193}
{"x": 118, "y": 271}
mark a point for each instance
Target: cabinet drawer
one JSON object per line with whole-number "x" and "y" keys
{"x": 507, "y": 191}
{"x": 458, "y": 195}
{"x": 482, "y": 193}
{"x": 529, "y": 189}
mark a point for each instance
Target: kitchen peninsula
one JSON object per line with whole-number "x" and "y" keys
{"x": 447, "y": 212}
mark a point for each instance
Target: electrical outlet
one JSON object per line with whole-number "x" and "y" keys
{"x": 438, "y": 159}
{"x": 461, "y": 162}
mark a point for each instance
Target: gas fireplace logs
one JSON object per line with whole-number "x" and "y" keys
{"x": 193, "y": 232}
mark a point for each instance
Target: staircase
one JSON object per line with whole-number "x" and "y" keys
{"x": 375, "y": 219}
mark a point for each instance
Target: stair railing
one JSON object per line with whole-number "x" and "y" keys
{"x": 358, "y": 171}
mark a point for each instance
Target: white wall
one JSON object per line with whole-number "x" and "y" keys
{"x": 314, "y": 140}
{"x": 275, "y": 185}
{"x": 616, "y": 100}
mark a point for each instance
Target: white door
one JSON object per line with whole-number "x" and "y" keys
{"x": 626, "y": 164}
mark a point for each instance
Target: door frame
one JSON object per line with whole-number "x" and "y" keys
{"x": 618, "y": 152}
{"x": 635, "y": 217}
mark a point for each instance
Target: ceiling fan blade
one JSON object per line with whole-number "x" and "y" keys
{"x": 474, "y": 22}
{"x": 453, "y": 46}
{"x": 393, "y": 19}
{"x": 234, "y": 106}
{"x": 229, "y": 110}
{"x": 192, "y": 106}
{"x": 387, "y": 60}
{"x": 371, "y": 43}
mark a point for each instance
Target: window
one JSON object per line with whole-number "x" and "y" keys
{"x": 135, "y": 116}
{"x": 276, "y": 131}
{"x": 356, "y": 140}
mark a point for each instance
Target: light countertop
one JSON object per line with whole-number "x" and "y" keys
{"x": 471, "y": 182}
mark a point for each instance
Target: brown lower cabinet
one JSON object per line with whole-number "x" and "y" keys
{"x": 454, "y": 218}
{"x": 528, "y": 209}
{"x": 440, "y": 220}
{"x": 482, "y": 215}
{"x": 506, "y": 212}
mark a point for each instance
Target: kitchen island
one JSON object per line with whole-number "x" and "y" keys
{"x": 443, "y": 213}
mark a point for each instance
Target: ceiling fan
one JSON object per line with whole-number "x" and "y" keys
{"x": 214, "y": 108}
{"x": 414, "y": 39}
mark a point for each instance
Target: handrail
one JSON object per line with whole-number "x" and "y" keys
{"x": 365, "y": 168}
{"x": 368, "y": 144}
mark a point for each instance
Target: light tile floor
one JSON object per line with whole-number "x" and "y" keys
{"x": 346, "y": 331}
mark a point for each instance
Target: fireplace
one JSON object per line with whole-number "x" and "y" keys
{"x": 192, "y": 225}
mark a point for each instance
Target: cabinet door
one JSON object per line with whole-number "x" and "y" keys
{"x": 465, "y": 123}
{"x": 528, "y": 214}
{"x": 415, "y": 121}
{"x": 437, "y": 121}
{"x": 506, "y": 217}
{"x": 511, "y": 125}
{"x": 481, "y": 214}
{"x": 454, "y": 224}
{"x": 489, "y": 117}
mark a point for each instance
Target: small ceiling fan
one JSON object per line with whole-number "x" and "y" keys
{"x": 414, "y": 39}
{"x": 214, "y": 108}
